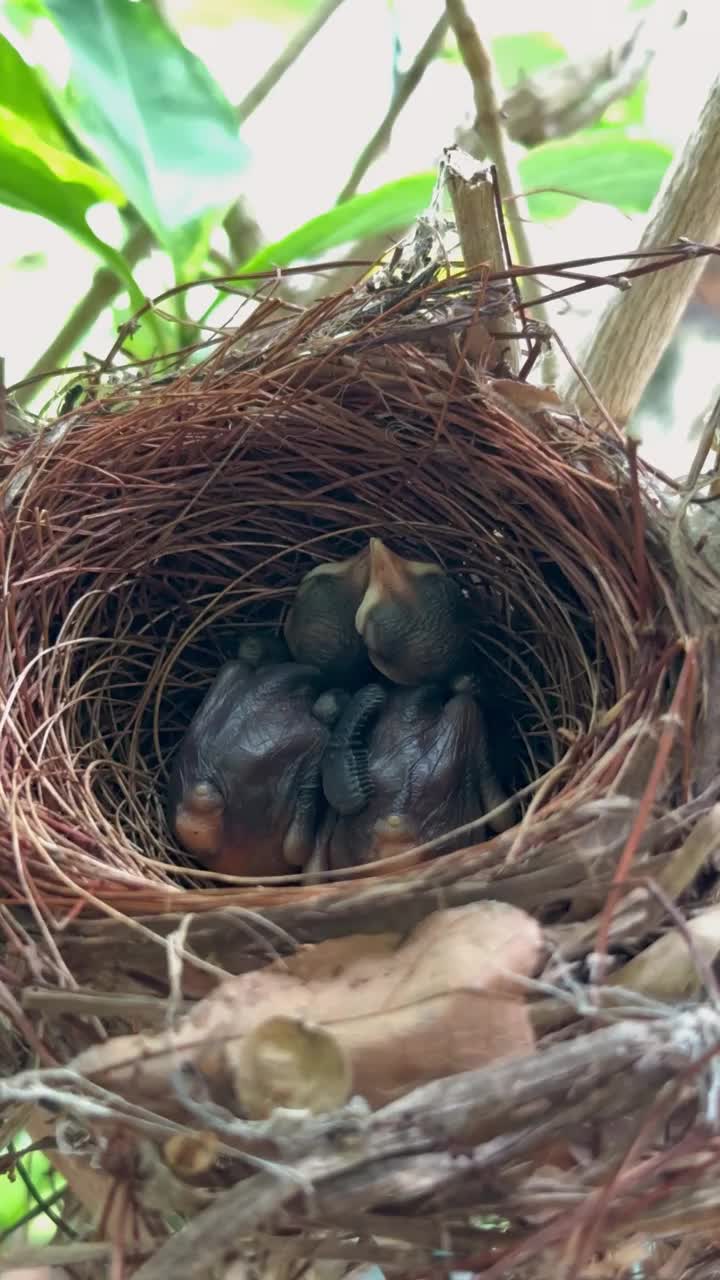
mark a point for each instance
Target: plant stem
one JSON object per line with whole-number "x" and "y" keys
{"x": 489, "y": 133}
{"x": 637, "y": 324}
{"x": 472, "y": 192}
{"x": 104, "y": 288}
{"x": 487, "y": 119}
{"x": 289, "y": 55}
{"x": 406, "y": 86}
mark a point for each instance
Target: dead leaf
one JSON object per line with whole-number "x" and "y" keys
{"x": 404, "y": 1010}
{"x": 525, "y": 395}
{"x": 666, "y": 970}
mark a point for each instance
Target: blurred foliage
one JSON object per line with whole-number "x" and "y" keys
{"x": 19, "y": 1210}
{"x": 516, "y": 56}
{"x": 143, "y": 126}
{"x": 600, "y": 164}
{"x": 153, "y": 116}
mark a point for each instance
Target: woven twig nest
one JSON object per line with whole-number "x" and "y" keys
{"x": 146, "y": 532}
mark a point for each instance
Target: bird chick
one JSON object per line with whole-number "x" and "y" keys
{"x": 320, "y": 627}
{"x": 405, "y": 766}
{"x": 413, "y": 619}
{"x": 261, "y": 648}
{"x": 245, "y": 790}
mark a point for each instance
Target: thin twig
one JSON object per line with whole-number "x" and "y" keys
{"x": 472, "y": 188}
{"x": 406, "y": 86}
{"x": 489, "y": 132}
{"x": 673, "y": 722}
{"x": 290, "y": 54}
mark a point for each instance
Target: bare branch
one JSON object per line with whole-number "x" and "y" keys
{"x": 637, "y": 325}
{"x": 290, "y": 54}
{"x": 472, "y": 191}
{"x": 487, "y": 124}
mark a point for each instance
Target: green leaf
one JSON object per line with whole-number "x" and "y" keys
{"x": 24, "y": 13}
{"x": 516, "y": 56}
{"x": 388, "y": 208}
{"x": 21, "y": 90}
{"x": 38, "y": 178}
{"x": 60, "y": 162}
{"x": 627, "y": 111}
{"x": 152, "y": 113}
{"x": 14, "y": 1200}
{"x": 603, "y": 165}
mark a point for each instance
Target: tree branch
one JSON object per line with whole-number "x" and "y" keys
{"x": 290, "y": 54}
{"x": 637, "y": 324}
{"x": 407, "y": 85}
{"x": 487, "y": 125}
{"x": 489, "y": 133}
{"x": 472, "y": 192}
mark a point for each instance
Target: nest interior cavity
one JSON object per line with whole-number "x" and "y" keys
{"x": 145, "y": 532}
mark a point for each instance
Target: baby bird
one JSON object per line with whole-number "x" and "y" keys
{"x": 413, "y": 619}
{"x": 245, "y": 791}
{"x": 261, "y": 648}
{"x": 320, "y": 627}
{"x": 405, "y": 766}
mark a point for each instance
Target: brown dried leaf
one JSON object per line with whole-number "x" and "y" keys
{"x": 525, "y": 395}
{"x": 405, "y": 1010}
{"x": 667, "y": 970}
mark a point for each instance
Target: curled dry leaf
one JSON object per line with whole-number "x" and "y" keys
{"x": 405, "y": 1010}
{"x": 667, "y": 969}
{"x": 526, "y": 395}
{"x": 285, "y": 1062}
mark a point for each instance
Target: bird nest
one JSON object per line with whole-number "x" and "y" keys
{"x": 144, "y": 534}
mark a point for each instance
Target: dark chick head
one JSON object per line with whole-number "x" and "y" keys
{"x": 320, "y": 627}
{"x": 412, "y": 618}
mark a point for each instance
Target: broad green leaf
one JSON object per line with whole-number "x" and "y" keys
{"x": 14, "y": 1200}
{"x": 152, "y": 113}
{"x": 391, "y": 207}
{"x": 54, "y": 184}
{"x": 603, "y": 165}
{"x": 21, "y": 90}
{"x": 23, "y": 13}
{"x": 220, "y": 13}
{"x": 628, "y": 111}
{"x": 516, "y": 56}
{"x": 388, "y": 208}
{"x": 64, "y": 166}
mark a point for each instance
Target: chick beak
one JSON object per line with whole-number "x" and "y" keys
{"x": 199, "y": 820}
{"x": 391, "y": 577}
